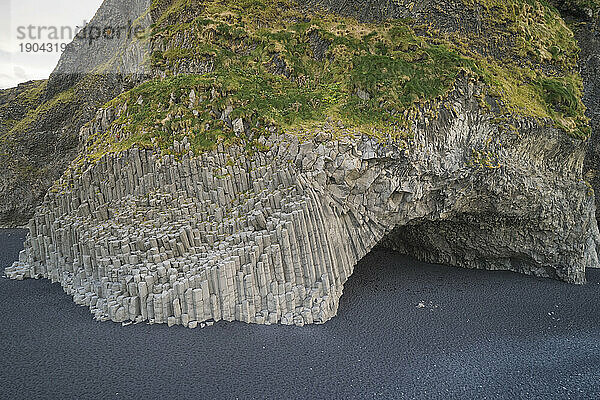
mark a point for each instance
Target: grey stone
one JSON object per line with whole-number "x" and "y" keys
{"x": 274, "y": 239}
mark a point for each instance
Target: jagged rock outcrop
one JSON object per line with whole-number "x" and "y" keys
{"x": 277, "y": 144}
{"x": 91, "y": 73}
{"x": 273, "y": 238}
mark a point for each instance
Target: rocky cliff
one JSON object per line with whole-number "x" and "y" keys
{"x": 272, "y": 146}
{"x": 41, "y": 120}
{"x": 584, "y": 19}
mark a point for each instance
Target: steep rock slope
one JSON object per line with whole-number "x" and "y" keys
{"x": 40, "y": 125}
{"x": 584, "y": 18}
{"x": 279, "y": 143}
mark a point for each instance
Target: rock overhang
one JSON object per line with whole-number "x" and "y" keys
{"x": 273, "y": 237}
{"x": 140, "y": 228}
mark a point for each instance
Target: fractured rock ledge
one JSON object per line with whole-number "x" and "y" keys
{"x": 272, "y": 238}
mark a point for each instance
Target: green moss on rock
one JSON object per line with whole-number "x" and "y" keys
{"x": 276, "y": 65}
{"x": 63, "y": 99}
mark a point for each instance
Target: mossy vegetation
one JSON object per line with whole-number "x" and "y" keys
{"x": 277, "y": 66}
{"x": 590, "y": 8}
{"x": 528, "y": 31}
{"x": 62, "y": 99}
{"x": 33, "y": 95}
{"x": 534, "y": 71}
{"x": 17, "y": 102}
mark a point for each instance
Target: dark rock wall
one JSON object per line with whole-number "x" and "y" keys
{"x": 588, "y": 36}
{"x": 585, "y": 23}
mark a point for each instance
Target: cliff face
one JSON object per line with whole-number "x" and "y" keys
{"x": 274, "y": 237}
{"x": 586, "y": 25}
{"x": 40, "y": 126}
{"x": 274, "y": 145}
{"x": 91, "y": 72}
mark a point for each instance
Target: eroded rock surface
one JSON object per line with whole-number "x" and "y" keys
{"x": 587, "y": 33}
{"x": 272, "y": 238}
{"x": 191, "y": 202}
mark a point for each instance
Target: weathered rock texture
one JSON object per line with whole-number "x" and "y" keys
{"x": 586, "y": 27}
{"x": 269, "y": 232}
{"x": 40, "y": 127}
{"x": 274, "y": 237}
{"x": 39, "y": 134}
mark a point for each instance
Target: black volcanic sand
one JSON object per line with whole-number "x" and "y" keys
{"x": 404, "y": 330}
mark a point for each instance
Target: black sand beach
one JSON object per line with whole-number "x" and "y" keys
{"x": 404, "y": 330}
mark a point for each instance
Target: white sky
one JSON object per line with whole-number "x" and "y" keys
{"x": 17, "y": 66}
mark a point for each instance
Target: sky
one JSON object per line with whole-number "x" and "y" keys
{"x": 16, "y": 37}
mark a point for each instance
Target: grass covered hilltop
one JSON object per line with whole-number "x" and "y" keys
{"x": 274, "y": 64}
